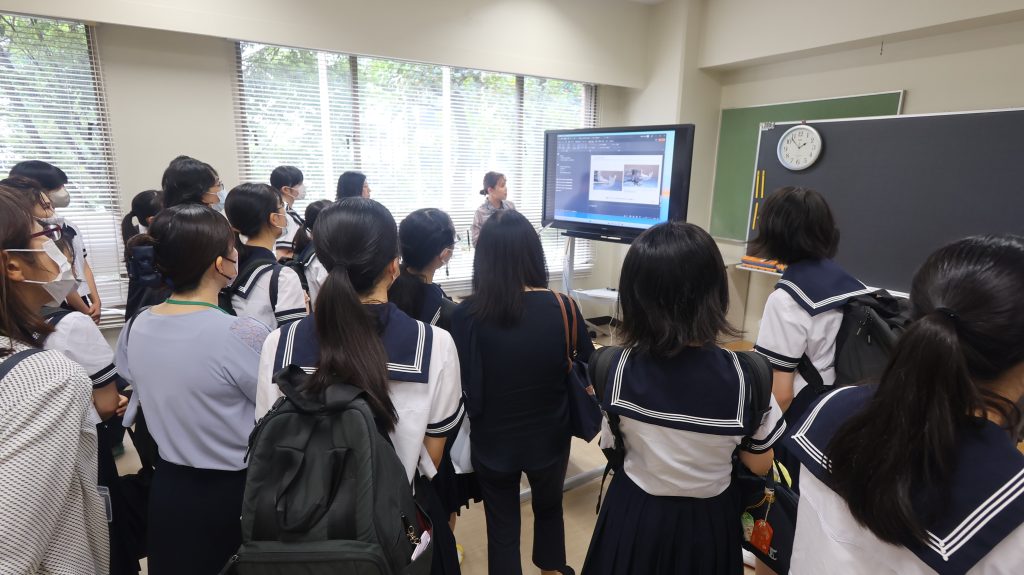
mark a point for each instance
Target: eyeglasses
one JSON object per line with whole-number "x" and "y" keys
{"x": 50, "y": 231}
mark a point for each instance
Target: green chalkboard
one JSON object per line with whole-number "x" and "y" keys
{"x": 737, "y": 148}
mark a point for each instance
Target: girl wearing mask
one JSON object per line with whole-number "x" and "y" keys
{"x": 193, "y": 368}
{"x": 287, "y": 180}
{"x": 86, "y": 297}
{"x": 190, "y": 181}
{"x": 264, "y": 289}
{"x": 920, "y": 473}
{"x": 51, "y": 515}
{"x": 410, "y": 370}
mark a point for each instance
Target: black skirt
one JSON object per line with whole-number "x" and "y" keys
{"x": 639, "y": 533}
{"x": 194, "y": 519}
{"x": 455, "y": 490}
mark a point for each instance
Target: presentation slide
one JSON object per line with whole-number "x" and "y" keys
{"x": 626, "y": 179}
{"x": 615, "y": 178}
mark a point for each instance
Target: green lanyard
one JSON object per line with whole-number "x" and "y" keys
{"x": 198, "y": 303}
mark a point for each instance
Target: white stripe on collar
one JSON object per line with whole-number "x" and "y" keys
{"x": 417, "y": 365}
{"x": 967, "y": 528}
{"x": 677, "y": 417}
{"x": 796, "y": 289}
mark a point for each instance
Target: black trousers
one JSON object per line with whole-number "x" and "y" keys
{"x": 501, "y": 507}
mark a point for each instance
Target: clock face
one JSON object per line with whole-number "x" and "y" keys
{"x": 799, "y": 147}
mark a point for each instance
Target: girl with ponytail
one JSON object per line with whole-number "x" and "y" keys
{"x": 193, "y": 368}
{"x": 920, "y": 472}
{"x": 409, "y": 370}
{"x": 428, "y": 239}
{"x": 305, "y": 251}
{"x": 145, "y": 206}
{"x": 263, "y": 289}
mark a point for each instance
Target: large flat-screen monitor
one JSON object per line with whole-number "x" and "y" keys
{"x": 614, "y": 183}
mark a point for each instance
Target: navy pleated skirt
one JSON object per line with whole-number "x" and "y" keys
{"x": 642, "y": 534}
{"x": 194, "y": 519}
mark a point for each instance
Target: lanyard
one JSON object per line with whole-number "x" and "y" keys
{"x": 196, "y": 303}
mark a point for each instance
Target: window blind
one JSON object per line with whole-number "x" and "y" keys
{"x": 423, "y": 134}
{"x": 52, "y": 108}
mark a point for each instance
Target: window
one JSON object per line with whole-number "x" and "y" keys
{"x": 52, "y": 108}
{"x": 424, "y": 135}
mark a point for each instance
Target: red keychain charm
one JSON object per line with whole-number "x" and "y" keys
{"x": 761, "y": 538}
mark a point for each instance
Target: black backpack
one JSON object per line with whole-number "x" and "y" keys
{"x": 299, "y": 263}
{"x": 246, "y": 278}
{"x": 325, "y": 491}
{"x": 872, "y": 324}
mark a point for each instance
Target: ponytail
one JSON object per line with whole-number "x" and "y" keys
{"x": 128, "y": 229}
{"x": 906, "y": 438}
{"x": 351, "y": 350}
{"x": 356, "y": 240}
{"x": 969, "y": 332}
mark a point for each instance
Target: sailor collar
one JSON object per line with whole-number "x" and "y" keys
{"x": 406, "y": 341}
{"x": 818, "y": 286}
{"x": 701, "y": 389}
{"x": 986, "y": 500}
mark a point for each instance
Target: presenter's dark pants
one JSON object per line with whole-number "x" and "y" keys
{"x": 500, "y": 491}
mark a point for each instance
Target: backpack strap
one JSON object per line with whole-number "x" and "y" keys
{"x": 15, "y": 358}
{"x": 53, "y": 318}
{"x": 759, "y": 369}
{"x": 275, "y": 279}
{"x": 597, "y": 372}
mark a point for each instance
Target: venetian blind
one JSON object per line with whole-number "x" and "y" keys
{"x": 424, "y": 134}
{"x": 52, "y": 108}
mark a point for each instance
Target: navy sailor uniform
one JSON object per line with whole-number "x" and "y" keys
{"x": 252, "y": 295}
{"x": 672, "y": 508}
{"x": 978, "y": 529}
{"x": 423, "y": 382}
{"x": 294, "y": 222}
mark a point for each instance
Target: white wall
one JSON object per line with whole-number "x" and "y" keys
{"x": 742, "y": 32}
{"x": 584, "y": 40}
{"x": 168, "y": 94}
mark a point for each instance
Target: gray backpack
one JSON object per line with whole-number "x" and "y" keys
{"x": 325, "y": 491}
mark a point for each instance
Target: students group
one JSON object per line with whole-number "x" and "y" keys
{"x": 914, "y": 473}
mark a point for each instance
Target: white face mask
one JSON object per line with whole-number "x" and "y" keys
{"x": 61, "y": 285}
{"x": 299, "y": 192}
{"x": 54, "y": 220}
{"x": 60, "y": 198}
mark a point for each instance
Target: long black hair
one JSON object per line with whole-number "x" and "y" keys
{"x": 350, "y": 185}
{"x": 423, "y": 235}
{"x": 355, "y": 239}
{"x": 969, "y": 330}
{"x": 248, "y": 208}
{"x": 673, "y": 290}
{"x": 796, "y": 224}
{"x": 186, "y": 180}
{"x": 508, "y": 258}
{"x": 187, "y": 239}
{"x": 145, "y": 205}
{"x": 301, "y": 240}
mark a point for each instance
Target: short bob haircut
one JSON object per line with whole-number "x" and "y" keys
{"x": 673, "y": 291}
{"x": 796, "y": 224}
{"x": 49, "y": 176}
{"x": 350, "y": 185}
{"x": 509, "y": 257}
